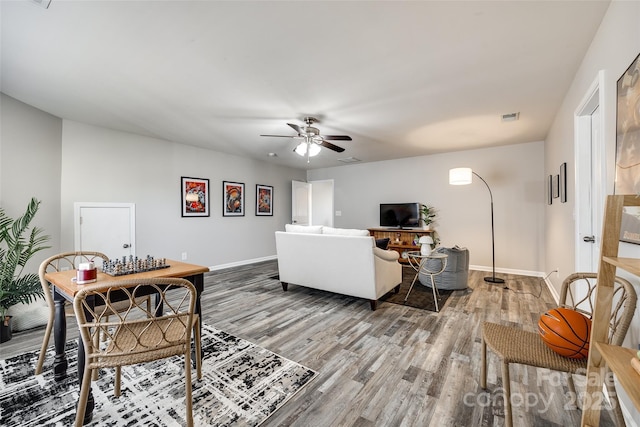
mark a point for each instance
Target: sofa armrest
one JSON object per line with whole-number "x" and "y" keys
{"x": 385, "y": 254}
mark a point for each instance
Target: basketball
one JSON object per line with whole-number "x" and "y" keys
{"x": 566, "y": 332}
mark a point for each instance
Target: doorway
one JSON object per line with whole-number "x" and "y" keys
{"x": 105, "y": 227}
{"x": 590, "y": 176}
{"x": 300, "y": 203}
{"x": 312, "y": 202}
{"x": 322, "y": 202}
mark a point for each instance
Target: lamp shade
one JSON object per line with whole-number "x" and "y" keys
{"x": 460, "y": 176}
{"x": 425, "y": 245}
{"x": 425, "y": 240}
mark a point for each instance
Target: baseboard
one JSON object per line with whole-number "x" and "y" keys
{"x": 553, "y": 291}
{"x": 243, "y": 262}
{"x": 541, "y": 274}
{"x": 507, "y": 271}
{"x": 630, "y": 416}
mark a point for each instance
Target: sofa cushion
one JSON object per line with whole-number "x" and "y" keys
{"x": 344, "y": 231}
{"x": 385, "y": 254}
{"x": 310, "y": 229}
{"x": 382, "y": 243}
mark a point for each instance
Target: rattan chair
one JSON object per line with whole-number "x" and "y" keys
{"x": 513, "y": 345}
{"x": 67, "y": 261}
{"x": 137, "y": 335}
{"x": 59, "y": 262}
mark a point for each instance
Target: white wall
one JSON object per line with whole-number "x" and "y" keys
{"x": 322, "y": 203}
{"x": 30, "y": 167}
{"x": 103, "y": 165}
{"x": 515, "y": 174}
{"x": 60, "y": 162}
{"x": 614, "y": 47}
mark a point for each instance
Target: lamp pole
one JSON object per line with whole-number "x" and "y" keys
{"x": 493, "y": 278}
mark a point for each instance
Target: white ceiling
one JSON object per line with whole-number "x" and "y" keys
{"x": 401, "y": 78}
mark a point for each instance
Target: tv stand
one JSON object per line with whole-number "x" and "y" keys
{"x": 400, "y": 239}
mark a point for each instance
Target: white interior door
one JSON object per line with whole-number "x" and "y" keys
{"x": 105, "y": 227}
{"x": 322, "y": 202}
{"x": 300, "y": 203}
{"x": 589, "y": 179}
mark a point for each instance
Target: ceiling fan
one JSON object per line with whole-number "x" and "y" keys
{"x": 312, "y": 139}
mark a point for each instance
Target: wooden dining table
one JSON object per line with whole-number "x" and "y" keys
{"x": 65, "y": 289}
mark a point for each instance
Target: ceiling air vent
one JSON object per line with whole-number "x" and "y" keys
{"x": 349, "y": 160}
{"x": 511, "y": 117}
{"x": 42, "y": 3}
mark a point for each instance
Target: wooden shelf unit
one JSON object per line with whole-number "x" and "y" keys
{"x": 617, "y": 358}
{"x": 400, "y": 240}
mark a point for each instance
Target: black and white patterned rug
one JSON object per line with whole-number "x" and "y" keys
{"x": 242, "y": 385}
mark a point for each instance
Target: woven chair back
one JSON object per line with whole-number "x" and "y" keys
{"x": 66, "y": 261}
{"x": 137, "y": 333}
{"x": 578, "y": 293}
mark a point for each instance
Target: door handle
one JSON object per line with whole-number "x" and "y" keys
{"x": 589, "y": 239}
{"x": 126, "y": 245}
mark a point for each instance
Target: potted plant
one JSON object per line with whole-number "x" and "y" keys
{"x": 428, "y": 215}
{"x": 18, "y": 244}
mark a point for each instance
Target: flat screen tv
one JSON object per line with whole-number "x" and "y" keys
{"x": 400, "y": 215}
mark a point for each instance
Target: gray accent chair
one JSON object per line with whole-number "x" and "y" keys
{"x": 455, "y": 276}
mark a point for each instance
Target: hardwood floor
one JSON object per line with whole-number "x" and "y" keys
{"x": 396, "y": 366}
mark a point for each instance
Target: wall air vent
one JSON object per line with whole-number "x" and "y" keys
{"x": 511, "y": 117}
{"x": 349, "y": 160}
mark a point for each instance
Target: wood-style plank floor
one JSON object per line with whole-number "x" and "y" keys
{"x": 396, "y": 366}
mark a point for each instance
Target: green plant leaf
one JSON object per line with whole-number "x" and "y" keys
{"x": 18, "y": 245}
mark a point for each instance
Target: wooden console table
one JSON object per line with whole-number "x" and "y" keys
{"x": 400, "y": 240}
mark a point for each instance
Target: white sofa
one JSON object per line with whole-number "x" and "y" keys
{"x": 344, "y": 261}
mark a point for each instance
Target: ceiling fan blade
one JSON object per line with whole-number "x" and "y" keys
{"x": 337, "y": 137}
{"x": 296, "y": 128}
{"x": 282, "y": 136}
{"x": 330, "y": 146}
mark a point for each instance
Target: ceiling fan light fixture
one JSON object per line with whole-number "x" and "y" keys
{"x": 302, "y": 148}
{"x": 314, "y": 150}
{"x": 312, "y": 140}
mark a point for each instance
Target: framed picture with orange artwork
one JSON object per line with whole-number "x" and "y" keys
{"x": 195, "y": 196}
{"x": 232, "y": 198}
{"x": 264, "y": 200}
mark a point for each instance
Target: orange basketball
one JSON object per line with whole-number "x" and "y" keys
{"x": 566, "y": 332}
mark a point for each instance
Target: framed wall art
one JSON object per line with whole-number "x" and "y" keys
{"x": 555, "y": 186}
{"x": 195, "y": 196}
{"x": 628, "y": 148}
{"x": 232, "y": 198}
{"x": 549, "y": 189}
{"x": 264, "y": 200}
{"x": 563, "y": 183}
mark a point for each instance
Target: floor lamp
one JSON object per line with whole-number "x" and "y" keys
{"x": 464, "y": 176}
